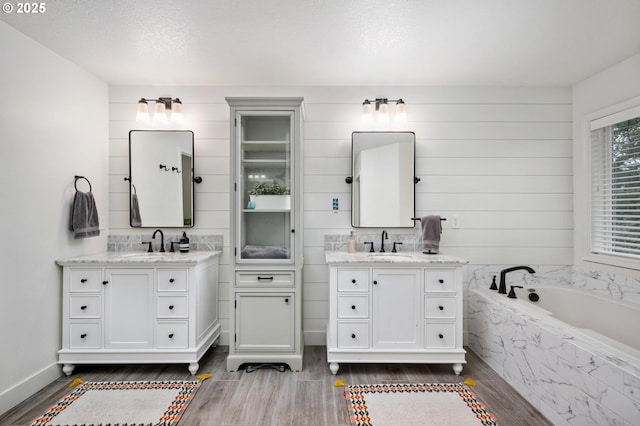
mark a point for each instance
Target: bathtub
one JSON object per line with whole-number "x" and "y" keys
{"x": 573, "y": 354}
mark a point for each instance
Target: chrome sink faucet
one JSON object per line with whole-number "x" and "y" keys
{"x": 384, "y": 236}
{"x": 503, "y": 276}
{"x": 161, "y": 239}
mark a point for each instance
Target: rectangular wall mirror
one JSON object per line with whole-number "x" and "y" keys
{"x": 161, "y": 178}
{"x": 383, "y": 179}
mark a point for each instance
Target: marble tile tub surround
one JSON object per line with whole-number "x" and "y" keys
{"x": 133, "y": 242}
{"x": 571, "y": 381}
{"x": 622, "y": 287}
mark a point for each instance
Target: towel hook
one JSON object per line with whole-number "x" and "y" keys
{"x": 135, "y": 191}
{"x": 75, "y": 182}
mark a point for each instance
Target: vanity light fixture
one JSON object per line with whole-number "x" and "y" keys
{"x": 160, "y": 111}
{"x": 382, "y": 109}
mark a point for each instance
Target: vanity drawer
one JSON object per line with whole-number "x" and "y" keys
{"x": 85, "y": 335}
{"x": 172, "y": 335}
{"x": 173, "y": 280}
{"x": 353, "y": 334}
{"x": 85, "y": 280}
{"x": 439, "y": 307}
{"x": 444, "y": 280}
{"x": 353, "y": 280}
{"x": 85, "y": 306}
{"x": 440, "y": 335}
{"x": 172, "y": 307}
{"x": 265, "y": 279}
{"x": 353, "y": 306}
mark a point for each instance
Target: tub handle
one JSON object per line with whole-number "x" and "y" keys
{"x": 512, "y": 293}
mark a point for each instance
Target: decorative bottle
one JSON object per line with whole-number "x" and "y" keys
{"x": 352, "y": 243}
{"x": 184, "y": 243}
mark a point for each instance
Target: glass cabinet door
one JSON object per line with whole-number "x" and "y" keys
{"x": 264, "y": 187}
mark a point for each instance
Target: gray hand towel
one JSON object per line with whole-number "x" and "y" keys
{"x": 431, "y": 230}
{"x": 84, "y": 216}
{"x": 136, "y": 220}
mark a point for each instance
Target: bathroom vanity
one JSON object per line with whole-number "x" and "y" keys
{"x": 122, "y": 308}
{"x": 395, "y": 308}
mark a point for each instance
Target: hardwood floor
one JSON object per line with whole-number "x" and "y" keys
{"x": 268, "y": 397}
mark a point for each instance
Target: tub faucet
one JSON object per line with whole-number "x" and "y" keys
{"x": 161, "y": 239}
{"x": 384, "y": 236}
{"x": 503, "y": 274}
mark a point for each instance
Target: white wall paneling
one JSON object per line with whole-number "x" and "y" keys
{"x": 499, "y": 158}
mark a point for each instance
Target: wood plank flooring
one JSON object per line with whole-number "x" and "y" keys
{"x": 267, "y": 397}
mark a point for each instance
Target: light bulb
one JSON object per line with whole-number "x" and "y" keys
{"x": 176, "y": 111}
{"x": 160, "y": 113}
{"x": 367, "y": 112}
{"x": 401, "y": 112}
{"x": 142, "y": 113}
{"x": 383, "y": 112}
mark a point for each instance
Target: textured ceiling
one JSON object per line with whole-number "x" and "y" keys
{"x": 338, "y": 42}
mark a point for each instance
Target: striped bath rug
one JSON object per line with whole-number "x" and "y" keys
{"x": 141, "y": 403}
{"x": 441, "y": 404}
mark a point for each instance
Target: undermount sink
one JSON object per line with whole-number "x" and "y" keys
{"x": 389, "y": 256}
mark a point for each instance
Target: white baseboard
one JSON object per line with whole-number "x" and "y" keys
{"x": 315, "y": 338}
{"x": 17, "y": 393}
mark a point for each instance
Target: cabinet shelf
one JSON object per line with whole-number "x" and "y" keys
{"x": 266, "y": 146}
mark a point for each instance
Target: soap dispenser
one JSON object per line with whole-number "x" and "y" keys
{"x": 352, "y": 243}
{"x": 184, "y": 243}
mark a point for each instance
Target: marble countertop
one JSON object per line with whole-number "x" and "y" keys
{"x": 190, "y": 258}
{"x": 400, "y": 258}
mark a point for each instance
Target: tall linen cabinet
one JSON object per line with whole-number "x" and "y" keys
{"x": 265, "y": 321}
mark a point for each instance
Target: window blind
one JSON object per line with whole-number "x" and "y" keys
{"x": 615, "y": 187}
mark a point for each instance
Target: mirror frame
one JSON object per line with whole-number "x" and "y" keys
{"x": 410, "y": 221}
{"x": 194, "y": 180}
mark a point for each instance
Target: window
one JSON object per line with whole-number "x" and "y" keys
{"x": 615, "y": 184}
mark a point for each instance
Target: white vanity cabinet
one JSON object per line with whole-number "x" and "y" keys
{"x": 404, "y": 309}
{"x": 265, "y": 324}
{"x": 117, "y": 309}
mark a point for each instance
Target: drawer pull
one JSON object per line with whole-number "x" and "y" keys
{"x": 441, "y": 281}
{"x": 353, "y": 307}
{"x": 353, "y": 336}
{"x": 441, "y": 307}
{"x": 265, "y": 278}
{"x": 83, "y": 280}
{"x": 441, "y": 336}
{"x": 83, "y": 335}
{"x": 170, "y": 307}
{"x": 286, "y": 300}
{"x": 83, "y": 307}
{"x": 353, "y": 281}
{"x": 170, "y": 335}
{"x": 375, "y": 282}
{"x": 171, "y": 280}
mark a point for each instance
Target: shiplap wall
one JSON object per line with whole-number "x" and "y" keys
{"x": 498, "y": 158}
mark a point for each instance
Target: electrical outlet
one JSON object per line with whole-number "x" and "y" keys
{"x": 455, "y": 221}
{"x": 334, "y": 205}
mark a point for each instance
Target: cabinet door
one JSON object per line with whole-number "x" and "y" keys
{"x": 128, "y": 308}
{"x": 264, "y": 153}
{"x": 396, "y": 308}
{"x": 265, "y": 321}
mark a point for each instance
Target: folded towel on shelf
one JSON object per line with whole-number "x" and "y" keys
{"x": 264, "y": 252}
{"x": 84, "y": 216}
{"x": 136, "y": 220}
{"x": 431, "y": 230}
